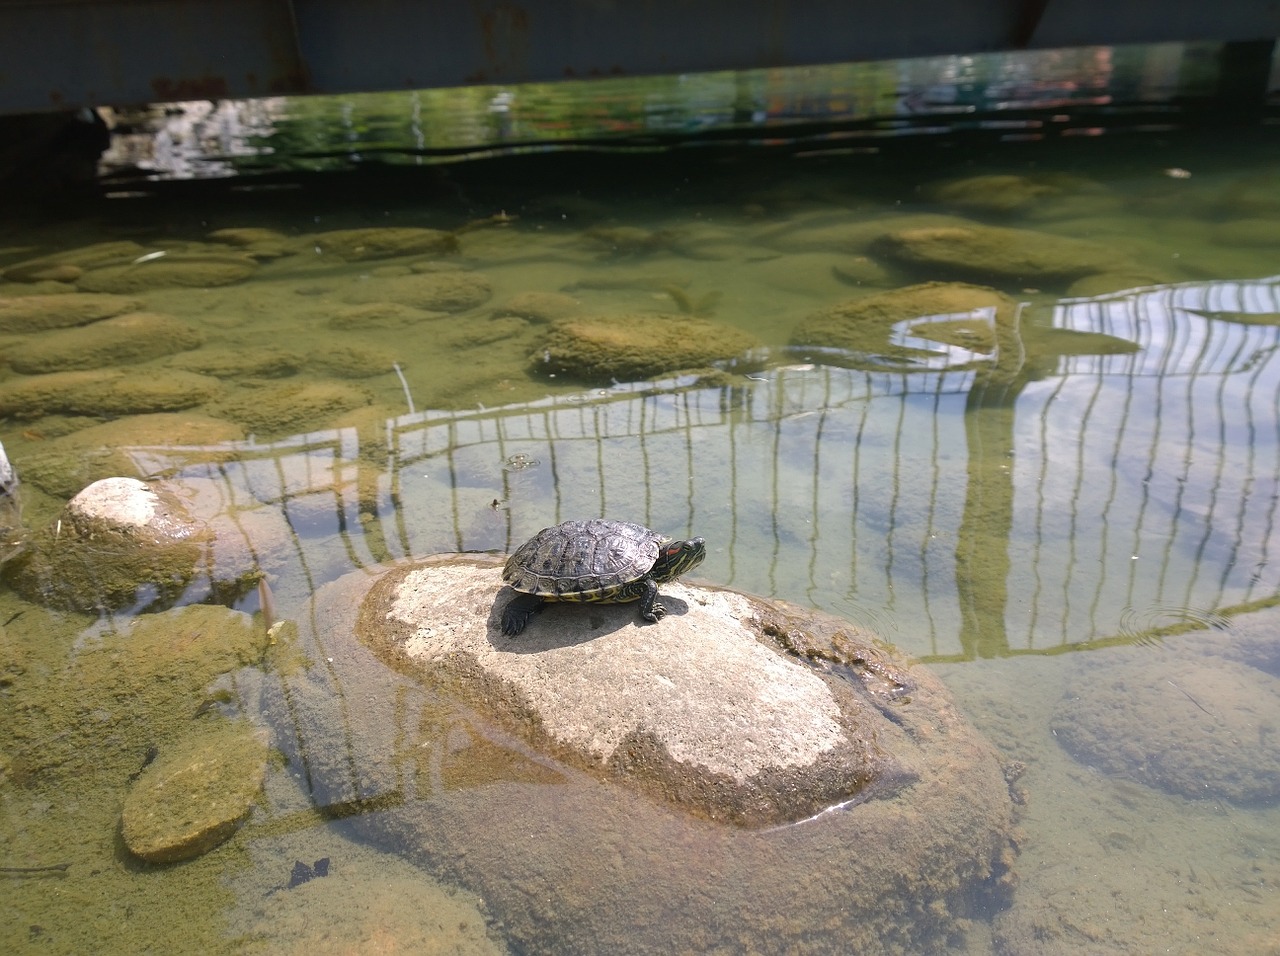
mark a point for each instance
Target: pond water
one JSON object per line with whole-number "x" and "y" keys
{"x": 1064, "y": 501}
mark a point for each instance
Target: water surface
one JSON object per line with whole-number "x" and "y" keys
{"x": 1097, "y": 490}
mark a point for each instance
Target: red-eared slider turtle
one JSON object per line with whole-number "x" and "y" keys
{"x": 595, "y": 561}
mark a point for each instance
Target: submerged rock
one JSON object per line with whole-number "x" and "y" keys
{"x": 899, "y": 325}
{"x": 992, "y": 252}
{"x": 83, "y": 257}
{"x": 454, "y": 290}
{"x": 1109, "y": 283}
{"x": 292, "y": 406}
{"x": 124, "y": 339}
{"x": 194, "y": 270}
{"x": 379, "y": 315}
{"x": 630, "y": 347}
{"x": 1004, "y": 193}
{"x": 587, "y": 776}
{"x": 1191, "y": 726}
{"x": 36, "y": 313}
{"x": 106, "y": 392}
{"x": 356, "y": 245}
{"x": 257, "y": 241}
{"x": 539, "y": 306}
{"x": 119, "y": 542}
{"x": 195, "y": 795}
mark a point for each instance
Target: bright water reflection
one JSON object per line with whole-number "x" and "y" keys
{"x": 1097, "y": 486}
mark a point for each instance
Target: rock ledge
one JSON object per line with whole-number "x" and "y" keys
{"x": 705, "y": 708}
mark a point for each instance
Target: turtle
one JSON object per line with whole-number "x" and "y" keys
{"x": 599, "y": 560}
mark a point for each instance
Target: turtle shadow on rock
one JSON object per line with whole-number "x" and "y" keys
{"x": 570, "y": 623}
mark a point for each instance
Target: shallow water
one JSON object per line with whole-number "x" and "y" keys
{"x": 985, "y": 509}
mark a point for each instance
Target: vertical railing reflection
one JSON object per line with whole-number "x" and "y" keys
{"x": 1069, "y": 490}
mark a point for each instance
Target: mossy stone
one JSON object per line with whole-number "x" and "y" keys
{"x": 638, "y": 346}
{"x": 105, "y": 392}
{"x": 357, "y": 245}
{"x": 36, "y": 313}
{"x": 124, "y": 339}
{"x": 196, "y": 271}
{"x": 195, "y": 795}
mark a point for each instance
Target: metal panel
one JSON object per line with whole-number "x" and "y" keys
{"x": 59, "y": 55}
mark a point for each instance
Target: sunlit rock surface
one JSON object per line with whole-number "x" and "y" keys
{"x": 697, "y": 708}
{"x": 586, "y": 777}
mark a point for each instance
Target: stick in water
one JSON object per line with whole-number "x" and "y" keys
{"x": 405, "y": 385}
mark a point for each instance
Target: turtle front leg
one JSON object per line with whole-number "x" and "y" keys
{"x": 650, "y": 609}
{"x": 519, "y": 610}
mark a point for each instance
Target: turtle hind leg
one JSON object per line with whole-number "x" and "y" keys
{"x": 650, "y": 609}
{"x": 519, "y": 610}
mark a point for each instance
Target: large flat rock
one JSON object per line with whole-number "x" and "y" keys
{"x": 539, "y": 772}
{"x": 701, "y": 708}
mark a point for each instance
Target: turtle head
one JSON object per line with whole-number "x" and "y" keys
{"x": 677, "y": 557}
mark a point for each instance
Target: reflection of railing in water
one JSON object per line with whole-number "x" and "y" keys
{"x": 980, "y": 514}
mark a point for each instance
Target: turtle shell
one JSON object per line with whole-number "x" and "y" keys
{"x": 584, "y": 560}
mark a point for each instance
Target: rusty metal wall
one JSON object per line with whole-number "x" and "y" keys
{"x": 62, "y": 54}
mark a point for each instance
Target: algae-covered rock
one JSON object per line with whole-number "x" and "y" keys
{"x": 638, "y": 346}
{"x": 380, "y": 315}
{"x": 163, "y": 664}
{"x": 36, "y": 313}
{"x": 63, "y": 465}
{"x": 124, "y": 339}
{"x": 1005, "y": 193}
{"x": 121, "y": 542}
{"x": 259, "y": 242}
{"x": 195, "y": 795}
{"x": 355, "y": 245}
{"x": 875, "y": 327}
{"x": 860, "y": 271}
{"x": 353, "y": 360}
{"x": 454, "y": 290}
{"x": 842, "y": 234}
{"x": 83, "y": 257}
{"x": 539, "y": 306}
{"x": 105, "y": 392}
{"x": 195, "y": 271}
{"x": 290, "y": 407}
{"x": 225, "y": 363}
{"x": 34, "y": 272}
{"x": 1253, "y": 232}
{"x": 995, "y": 253}
{"x": 1107, "y": 283}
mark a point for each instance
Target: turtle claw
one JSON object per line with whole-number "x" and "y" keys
{"x": 654, "y": 613}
